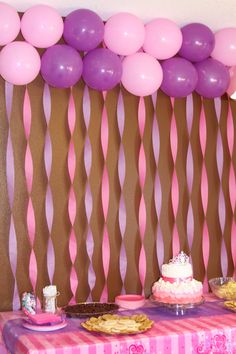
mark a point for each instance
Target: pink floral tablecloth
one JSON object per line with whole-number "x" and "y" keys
{"x": 207, "y": 329}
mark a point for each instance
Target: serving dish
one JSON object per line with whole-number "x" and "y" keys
{"x": 44, "y": 328}
{"x": 223, "y": 287}
{"x": 230, "y": 305}
{"x": 114, "y": 324}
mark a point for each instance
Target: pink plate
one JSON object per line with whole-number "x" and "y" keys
{"x": 130, "y": 301}
{"x": 43, "y": 328}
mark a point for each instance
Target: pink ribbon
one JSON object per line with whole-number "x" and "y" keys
{"x": 176, "y": 280}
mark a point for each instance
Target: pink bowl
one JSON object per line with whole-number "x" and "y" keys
{"x": 130, "y": 301}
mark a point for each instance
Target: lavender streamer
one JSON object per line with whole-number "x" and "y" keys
{"x": 88, "y": 195}
{"x": 221, "y": 202}
{"x": 157, "y": 186}
{"x": 49, "y": 211}
{"x": 10, "y": 173}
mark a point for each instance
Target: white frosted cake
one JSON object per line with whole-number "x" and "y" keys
{"x": 177, "y": 286}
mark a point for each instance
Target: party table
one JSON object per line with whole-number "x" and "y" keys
{"x": 209, "y": 328}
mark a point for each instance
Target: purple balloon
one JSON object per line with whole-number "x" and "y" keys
{"x": 213, "y": 78}
{"x": 198, "y": 42}
{"x": 83, "y": 29}
{"x": 179, "y": 77}
{"x": 102, "y": 69}
{"x": 61, "y": 66}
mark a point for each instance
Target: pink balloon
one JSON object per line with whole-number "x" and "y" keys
{"x": 142, "y": 74}
{"x": 124, "y": 33}
{"x": 9, "y": 24}
{"x": 19, "y": 63}
{"x": 163, "y": 38}
{"x": 42, "y": 26}
{"x": 232, "y": 86}
{"x": 225, "y": 46}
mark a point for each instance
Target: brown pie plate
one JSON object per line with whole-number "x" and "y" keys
{"x": 85, "y": 309}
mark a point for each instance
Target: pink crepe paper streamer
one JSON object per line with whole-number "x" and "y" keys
{"x": 88, "y": 194}
{"x": 230, "y": 130}
{"x": 121, "y": 174}
{"x": 205, "y": 252}
{"x": 232, "y": 187}
{"x": 233, "y": 245}
{"x": 10, "y": 173}
{"x": 71, "y": 163}
{"x": 10, "y": 156}
{"x": 232, "y": 182}
{"x": 189, "y": 172}
{"x": 202, "y": 131}
{"x": 142, "y": 177}
{"x": 30, "y": 217}
{"x": 48, "y": 199}
{"x": 105, "y": 199}
{"x": 157, "y": 185}
{"x": 174, "y": 183}
{"x": 175, "y": 202}
{"x": 230, "y": 140}
{"x": 204, "y": 195}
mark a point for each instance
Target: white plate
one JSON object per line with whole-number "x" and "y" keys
{"x": 43, "y": 328}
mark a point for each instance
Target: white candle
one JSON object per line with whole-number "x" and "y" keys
{"x": 50, "y": 294}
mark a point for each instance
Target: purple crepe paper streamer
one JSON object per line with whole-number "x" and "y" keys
{"x": 88, "y": 194}
{"x": 221, "y": 201}
{"x": 157, "y": 185}
{"x": 10, "y": 173}
{"x": 49, "y": 211}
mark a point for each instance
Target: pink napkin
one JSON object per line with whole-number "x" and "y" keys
{"x": 44, "y": 317}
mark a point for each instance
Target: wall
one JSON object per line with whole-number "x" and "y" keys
{"x": 97, "y": 191}
{"x": 216, "y": 14}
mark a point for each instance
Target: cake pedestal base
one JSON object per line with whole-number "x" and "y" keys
{"x": 177, "y": 309}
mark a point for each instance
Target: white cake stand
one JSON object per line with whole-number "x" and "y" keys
{"x": 177, "y": 309}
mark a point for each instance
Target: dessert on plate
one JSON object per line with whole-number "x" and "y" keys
{"x": 177, "y": 285}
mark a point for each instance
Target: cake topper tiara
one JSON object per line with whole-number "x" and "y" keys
{"x": 181, "y": 258}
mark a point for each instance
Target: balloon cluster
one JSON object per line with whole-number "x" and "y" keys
{"x": 142, "y": 57}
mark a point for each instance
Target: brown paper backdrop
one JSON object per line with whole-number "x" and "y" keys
{"x": 60, "y": 185}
